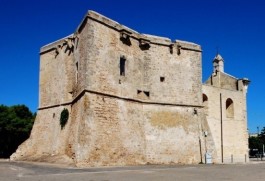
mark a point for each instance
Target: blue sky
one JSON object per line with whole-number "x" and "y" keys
{"x": 237, "y": 27}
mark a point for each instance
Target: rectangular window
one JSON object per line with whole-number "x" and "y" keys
{"x": 122, "y": 66}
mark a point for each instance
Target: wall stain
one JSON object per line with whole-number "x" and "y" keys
{"x": 164, "y": 120}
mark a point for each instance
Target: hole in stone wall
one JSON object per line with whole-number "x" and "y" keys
{"x": 147, "y": 93}
{"x": 162, "y": 79}
{"x": 204, "y": 98}
{"x": 171, "y": 48}
{"x": 125, "y": 38}
{"x": 178, "y": 49}
{"x": 144, "y": 44}
{"x": 205, "y": 103}
{"x": 122, "y": 66}
{"x": 76, "y": 71}
{"x": 229, "y": 108}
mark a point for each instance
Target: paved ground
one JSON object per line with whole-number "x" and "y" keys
{"x": 14, "y": 171}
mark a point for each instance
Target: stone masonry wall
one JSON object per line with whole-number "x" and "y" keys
{"x": 105, "y": 131}
{"x": 223, "y": 80}
{"x": 47, "y": 141}
{"x": 110, "y": 131}
{"x": 235, "y": 145}
{"x": 56, "y": 75}
{"x": 143, "y": 68}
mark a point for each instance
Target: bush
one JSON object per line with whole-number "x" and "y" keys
{"x": 64, "y": 117}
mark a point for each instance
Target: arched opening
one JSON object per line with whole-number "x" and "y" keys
{"x": 204, "y": 98}
{"x": 229, "y": 108}
{"x": 205, "y": 103}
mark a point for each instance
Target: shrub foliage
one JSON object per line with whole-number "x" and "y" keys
{"x": 64, "y": 117}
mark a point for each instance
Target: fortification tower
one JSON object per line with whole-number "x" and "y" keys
{"x": 132, "y": 99}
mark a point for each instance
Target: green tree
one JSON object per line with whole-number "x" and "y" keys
{"x": 15, "y": 126}
{"x": 255, "y": 143}
{"x": 262, "y": 135}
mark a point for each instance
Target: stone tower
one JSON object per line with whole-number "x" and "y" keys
{"x": 132, "y": 99}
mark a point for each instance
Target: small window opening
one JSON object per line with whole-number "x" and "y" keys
{"x": 122, "y": 66}
{"x": 178, "y": 49}
{"x": 205, "y": 103}
{"x": 139, "y": 91}
{"x": 229, "y": 108}
{"x": 53, "y": 115}
{"x": 76, "y": 65}
{"x": 204, "y": 98}
{"x": 146, "y": 93}
{"x": 171, "y": 48}
{"x": 162, "y": 79}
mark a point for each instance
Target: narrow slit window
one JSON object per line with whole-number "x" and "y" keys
{"x": 76, "y": 72}
{"x": 122, "y": 66}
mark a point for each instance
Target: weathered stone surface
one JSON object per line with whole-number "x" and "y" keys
{"x": 219, "y": 89}
{"x": 133, "y": 99}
